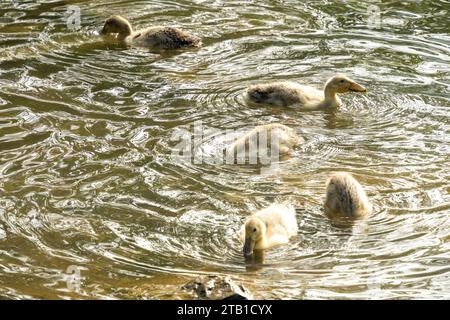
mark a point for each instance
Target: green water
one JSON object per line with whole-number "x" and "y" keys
{"x": 88, "y": 181}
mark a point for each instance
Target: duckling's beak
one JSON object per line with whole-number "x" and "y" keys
{"x": 357, "y": 87}
{"x": 249, "y": 245}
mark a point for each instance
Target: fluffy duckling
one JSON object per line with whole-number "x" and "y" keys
{"x": 345, "y": 197}
{"x": 154, "y": 37}
{"x": 304, "y": 97}
{"x": 269, "y": 227}
{"x": 279, "y": 138}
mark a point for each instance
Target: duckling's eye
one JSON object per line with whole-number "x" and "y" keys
{"x": 342, "y": 81}
{"x": 254, "y": 230}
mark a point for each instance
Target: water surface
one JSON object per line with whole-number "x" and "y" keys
{"x": 87, "y": 178}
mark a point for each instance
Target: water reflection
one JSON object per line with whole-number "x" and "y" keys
{"x": 87, "y": 176}
{"x": 255, "y": 261}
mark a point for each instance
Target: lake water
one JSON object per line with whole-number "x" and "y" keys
{"x": 89, "y": 186}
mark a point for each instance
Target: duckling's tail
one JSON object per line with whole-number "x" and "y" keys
{"x": 196, "y": 42}
{"x": 255, "y": 94}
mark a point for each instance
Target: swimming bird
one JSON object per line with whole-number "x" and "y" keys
{"x": 269, "y": 227}
{"x": 345, "y": 197}
{"x": 274, "y": 137}
{"x": 304, "y": 97}
{"x": 156, "y": 37}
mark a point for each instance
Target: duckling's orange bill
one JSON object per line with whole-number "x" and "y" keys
{"x": 357, "y": 87}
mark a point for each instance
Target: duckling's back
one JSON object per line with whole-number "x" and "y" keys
{"x": 284, "y": 139}
{"x": 345, "y": 197}
{"x": 283, "y": 94}
{"x": 279, "y": 218}
{"x": 166, "y": 38}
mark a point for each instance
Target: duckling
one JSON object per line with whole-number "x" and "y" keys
{"x": 154, "y": 37}
{"x": 345, "y": 197}
{"x": 269, "y": 227}
{"x": 280, "y": 141}
{"x": 304, "y": 97}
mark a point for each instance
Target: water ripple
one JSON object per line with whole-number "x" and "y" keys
{"x": 88, "y": 130}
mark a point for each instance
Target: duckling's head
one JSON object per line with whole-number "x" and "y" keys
{"x": 342, "y": 84}
{"x": 117, "y": 24}
{"x": 254, "y": 231}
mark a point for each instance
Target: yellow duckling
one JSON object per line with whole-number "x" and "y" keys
{"x": 154, "y": 37}
{"x": 304, "y": 97}
{"x": 276, "y": 137}
{"x": 345, "y": 197}
{"x": 269, "y": 227}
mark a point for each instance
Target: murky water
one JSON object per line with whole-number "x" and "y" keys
{"x": 88, "y": 183}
